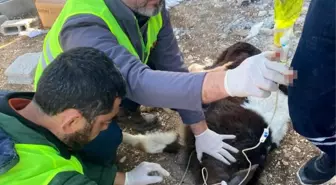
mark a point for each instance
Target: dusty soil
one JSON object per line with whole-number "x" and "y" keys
{"x": 203, "y": 29}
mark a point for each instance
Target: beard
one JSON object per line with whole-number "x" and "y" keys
{"x": 78, "y": 140}
{"x": 144, "y": 10}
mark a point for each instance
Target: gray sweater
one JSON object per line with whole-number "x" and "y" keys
{"x": 169, "y": 85}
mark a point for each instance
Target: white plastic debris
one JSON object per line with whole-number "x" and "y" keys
{"x": 254, "y": 30}
{"x": 31, "y": 33}
{"x": 172, "y": 3}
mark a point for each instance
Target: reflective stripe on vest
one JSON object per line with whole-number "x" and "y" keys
{"x": 52, "y": 47}
{"x": 38, "y": 164}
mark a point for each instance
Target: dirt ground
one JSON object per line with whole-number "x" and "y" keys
{"x": 203, "y": 29}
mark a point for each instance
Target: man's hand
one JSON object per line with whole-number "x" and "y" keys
{"x": 211, "y": 143}
{"x": 139, "y": 175}
{"x": 257, "y": 76}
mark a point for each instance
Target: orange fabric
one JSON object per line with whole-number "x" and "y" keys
{"x": 18, "y": 103}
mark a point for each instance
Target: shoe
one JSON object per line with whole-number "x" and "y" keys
{"x": 318, "y": 170}
{"x": 141, "y": 122}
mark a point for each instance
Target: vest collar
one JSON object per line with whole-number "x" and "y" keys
{"x": 120, "y": 10}
{"x": 6, "y": 109}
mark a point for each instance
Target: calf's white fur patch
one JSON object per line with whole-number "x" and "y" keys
{"x": 152, "y": 142}
{"x": 265, "y": 108}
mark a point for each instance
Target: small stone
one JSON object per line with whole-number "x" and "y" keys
{"x": 190, "y": 57}
{"x": 269, "y": 22}
{"x": 286, "y": 155}
{"x": 296, "y": 149}
{"x": 243, "y": 2}
{"x": 208, "y": 61}
{"x": 241, "y": 33}
{"x": 285, "y": 163}
{"x": 22, "y": 70}
{"x": 262, "y": 13}
{"x": 123, "y": 159}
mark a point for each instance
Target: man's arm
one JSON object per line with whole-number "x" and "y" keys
{"x": 166, "y": 56}
{"x": 145, "y": 86}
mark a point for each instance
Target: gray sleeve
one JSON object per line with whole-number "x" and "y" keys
{"x": 166, "y": 56}
{"x": 145, "y": 86}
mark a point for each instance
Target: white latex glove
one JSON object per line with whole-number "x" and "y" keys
{"x": 212, "y": 144}
{"x": 223, "y": 183}
{"x": 139, "y": 175}
{"x": 256, "y": 76}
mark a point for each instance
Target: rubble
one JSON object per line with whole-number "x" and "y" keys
{"x": 22, "y": 70}
{"x": 15, "y": 27}
{"x": 3, "y": 18}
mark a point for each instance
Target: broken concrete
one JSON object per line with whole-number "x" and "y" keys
{"x": 3, "y": 18}
{"x": 14, "y": 27}
{"x": 22, "y": 70}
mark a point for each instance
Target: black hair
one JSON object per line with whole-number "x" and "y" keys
{"x": 82, "y": 78}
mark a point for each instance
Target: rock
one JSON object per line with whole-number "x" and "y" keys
{"x": 241, "y": 33}
{"x": 123, "y": 159}
{"x": 296, "y": 149}
{"x": 208, "y": 61}
{"x": 22, "y": 70}
{"x": 243, "y": 2}
{"x": 237, "y": 23}
{"x": 287, "y": 155}
{"x": 3, "y": 18}
{"x": 269, "y": 22}
{"x": 285, "y": 163}
{"x": 262, "y": 13}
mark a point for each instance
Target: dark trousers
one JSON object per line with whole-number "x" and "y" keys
{"x": 103, "y": 148}
{"x": 312, "y": 97}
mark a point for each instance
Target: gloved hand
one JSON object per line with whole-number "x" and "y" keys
{"x": 257, "y": 76}
{"x": 139, "y": 175}
{"x": 212, "y": 144}
{"x": 223, "y": 183}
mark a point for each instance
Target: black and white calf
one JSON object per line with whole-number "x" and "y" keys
{"x": 244, "y": 117}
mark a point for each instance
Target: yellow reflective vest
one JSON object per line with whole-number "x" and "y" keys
{"x": 52, "y": 47}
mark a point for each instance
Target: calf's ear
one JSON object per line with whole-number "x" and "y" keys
{"x": 239, "y": 176}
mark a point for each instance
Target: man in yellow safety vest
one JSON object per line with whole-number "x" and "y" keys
{"x": 41, "y": 133}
